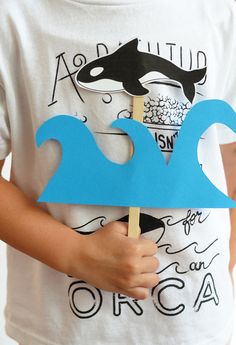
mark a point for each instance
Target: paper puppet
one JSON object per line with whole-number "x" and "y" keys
{"x": 86, "y": 176}
{"x": 127, "y": 69}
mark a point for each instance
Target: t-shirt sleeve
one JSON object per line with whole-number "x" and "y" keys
{"x": 5, "y": 142}
{"x": 225, "y": 134}
{"x": 228, "y": 69}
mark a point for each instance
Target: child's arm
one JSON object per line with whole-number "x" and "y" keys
{"x": 107, "y": 259}
{"x": 233, "y": 240}
{"x": 229, "y": 159}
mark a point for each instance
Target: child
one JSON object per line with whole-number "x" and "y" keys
{"x": 74, "y": 277}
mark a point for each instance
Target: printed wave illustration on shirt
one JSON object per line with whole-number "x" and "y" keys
{"x": 193, "y": 250}
{"x": 86, "y": 176}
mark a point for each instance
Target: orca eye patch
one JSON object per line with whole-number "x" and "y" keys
{"x": 96, "y": 71}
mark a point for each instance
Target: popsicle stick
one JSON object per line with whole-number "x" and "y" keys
{"x": 134, "y": 212}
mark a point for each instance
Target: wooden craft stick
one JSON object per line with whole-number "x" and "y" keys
{"x": 134, "y": 212}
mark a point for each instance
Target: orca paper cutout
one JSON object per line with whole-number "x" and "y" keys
{"x": 86, "y": 176}
{"x": 127, "y": 69}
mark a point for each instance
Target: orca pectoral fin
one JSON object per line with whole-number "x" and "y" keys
{"x": 135, "y": 88}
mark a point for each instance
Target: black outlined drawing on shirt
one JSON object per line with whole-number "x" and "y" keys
{"x": 82, "y": 118}
{"x": 157, "y": 296}
{"x": 120, "y": 300}
{"x": 148, "y": 224}
{"x": 195, "y": 244}
{"x": 163, "y": 116}
{"x": 193, "y": 266}
{"x": 99, "y": 219}
{"x": 80, "y": 287}
{"x": 207, "y": 292}
{"x": 188, "y": 221}
{"x": 61, "y": 60}
{"x": 155, "y": 229}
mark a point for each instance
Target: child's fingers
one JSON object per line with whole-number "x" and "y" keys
{"x": 147, "y": 280}
{"x": 147, "y": 247}
{"x": 137, "y": 293}
{"x": 149, "y": 264}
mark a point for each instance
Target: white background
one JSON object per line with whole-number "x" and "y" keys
{"x": 4, "y": 340}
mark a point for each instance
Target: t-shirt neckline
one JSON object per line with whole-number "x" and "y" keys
{"x": 111, "y": 2}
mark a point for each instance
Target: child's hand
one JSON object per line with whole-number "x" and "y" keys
{"x": 110, "y": 260}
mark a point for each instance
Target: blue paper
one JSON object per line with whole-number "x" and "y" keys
{"x": 86, "y": 176}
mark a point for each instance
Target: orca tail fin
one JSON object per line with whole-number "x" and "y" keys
{"x": 189, "y": 82}
{"x": 197, "y": 75}
{"x": 189, "y": 91}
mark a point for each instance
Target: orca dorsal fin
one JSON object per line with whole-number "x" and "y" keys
{"x": 129, "y": 48}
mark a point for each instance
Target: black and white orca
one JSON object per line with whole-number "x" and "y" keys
{"x": 127, "y": 69}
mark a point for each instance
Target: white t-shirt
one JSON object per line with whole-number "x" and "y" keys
{"x": 42, "y": 45}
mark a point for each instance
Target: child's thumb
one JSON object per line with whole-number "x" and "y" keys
{"x": 121, "y": 228}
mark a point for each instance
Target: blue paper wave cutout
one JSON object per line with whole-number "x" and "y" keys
{"x": 86, "y": 176}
